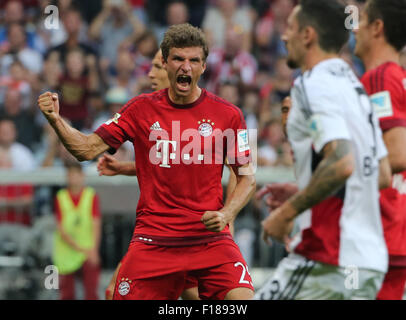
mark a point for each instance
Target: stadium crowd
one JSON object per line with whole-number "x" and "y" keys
{"x": 99, "y": 57}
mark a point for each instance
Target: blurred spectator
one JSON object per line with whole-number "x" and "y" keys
{"x": 54, "y": 153}
{"x": 67, "y": 23}
{"x": 268, "y": 30}
{"x": 51, "y": 73}
{"x": 273, "y": 91}
{"x": 196, "y": 11}
{"x": 285, "y": 155}
{"x": 89, "y": 8}
{"x": 250, "y": 107}
{"x": 230, "y": 61}
{"x": 114, "y": 24}
{"x": 96, "y": 105}
{"x": 273, "y": 137}
{"x": 146, "y": 46}
{"x": 15, "y": 199}
{"x": 139, "y": 10}
{"x": 123, "y": 73}
{"x": 75, "y": 87}
{"x": 281, "y": 81}
{"x": 77, "y": 240}
{"x": 16, "y": 47}
{"x": 347, "y": 56}
{"x": 73, "y": 25}
{"x": 28, "y": 133}
{"x": 177, "y": 12}
{"x": 228, "y": 90}
{"x": 17, "y": 79}
{"x": 115, "y": 99}
{"x": 51, "y": 154}
{"x": 227, "y": 15}
{"x": 21, "y": 157}
{"x": 14, "y": 13}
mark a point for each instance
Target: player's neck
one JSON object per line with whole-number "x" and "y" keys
{"x": 380, "y": 55}
{"x": 315, "y": 56}
{"x": 177, "y": 99}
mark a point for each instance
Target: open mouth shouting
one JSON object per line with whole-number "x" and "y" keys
{"x": 183, "y": 82}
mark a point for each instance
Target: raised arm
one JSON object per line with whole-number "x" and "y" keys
{"x": 97, "y": 24}
{"x": 82, "y": 147}
{"x": 385, "y": 173}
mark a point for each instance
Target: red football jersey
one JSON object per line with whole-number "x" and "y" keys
{"x": 179, "y": 152}
{"x": 386, "y": 86}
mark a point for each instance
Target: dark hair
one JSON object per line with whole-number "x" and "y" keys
{"x": 327, "y": 17}
{"x": 393, "y": 15}
{"x": 183, "y": 36}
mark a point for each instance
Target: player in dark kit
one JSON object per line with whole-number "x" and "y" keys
{"x": 181, "y": 137}
{"x": 380, "y": 39}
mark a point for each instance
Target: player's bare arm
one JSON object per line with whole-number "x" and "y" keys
{"x": 395, "y": 141}
{"x": 330, "y": 175}
{"x": 232, "y": 181}
{"x": 385, "y": 173}
{"x": 82, "y": 147}
{"x": 245, "y": 187}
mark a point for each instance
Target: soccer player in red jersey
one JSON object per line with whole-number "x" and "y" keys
{"x": 181, "y": 137}
{"x": 380, "y": 38}
{"x": 109, "y": 166}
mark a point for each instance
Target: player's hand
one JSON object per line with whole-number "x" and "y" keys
{"x": 110, "y": 288}
{"x": 108, "y": 166}
{"x": 277, "y": 226}
{"x": 276, "y": 194}
{"x": 49, "y": 105}
{"x": 214, "y": 220}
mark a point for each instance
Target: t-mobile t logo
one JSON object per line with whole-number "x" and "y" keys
{"x": 164, "y": 153}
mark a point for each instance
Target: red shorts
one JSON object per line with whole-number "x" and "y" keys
{"x": 393, "y": 287}
{"x": 190, "y": 282}
{"x": 150, "y": 272}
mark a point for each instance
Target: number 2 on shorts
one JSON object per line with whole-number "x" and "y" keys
{"x": 244, "y": 271}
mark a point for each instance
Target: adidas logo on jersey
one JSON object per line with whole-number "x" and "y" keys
{"x": 156, "y": 126}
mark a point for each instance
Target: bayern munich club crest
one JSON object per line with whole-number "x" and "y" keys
{"x": 205, "y": 127}
{"x": 124, "y": 286}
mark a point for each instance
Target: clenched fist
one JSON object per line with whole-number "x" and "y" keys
{"x": 214, "y": 220}
{"x": 49, "y": 105}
